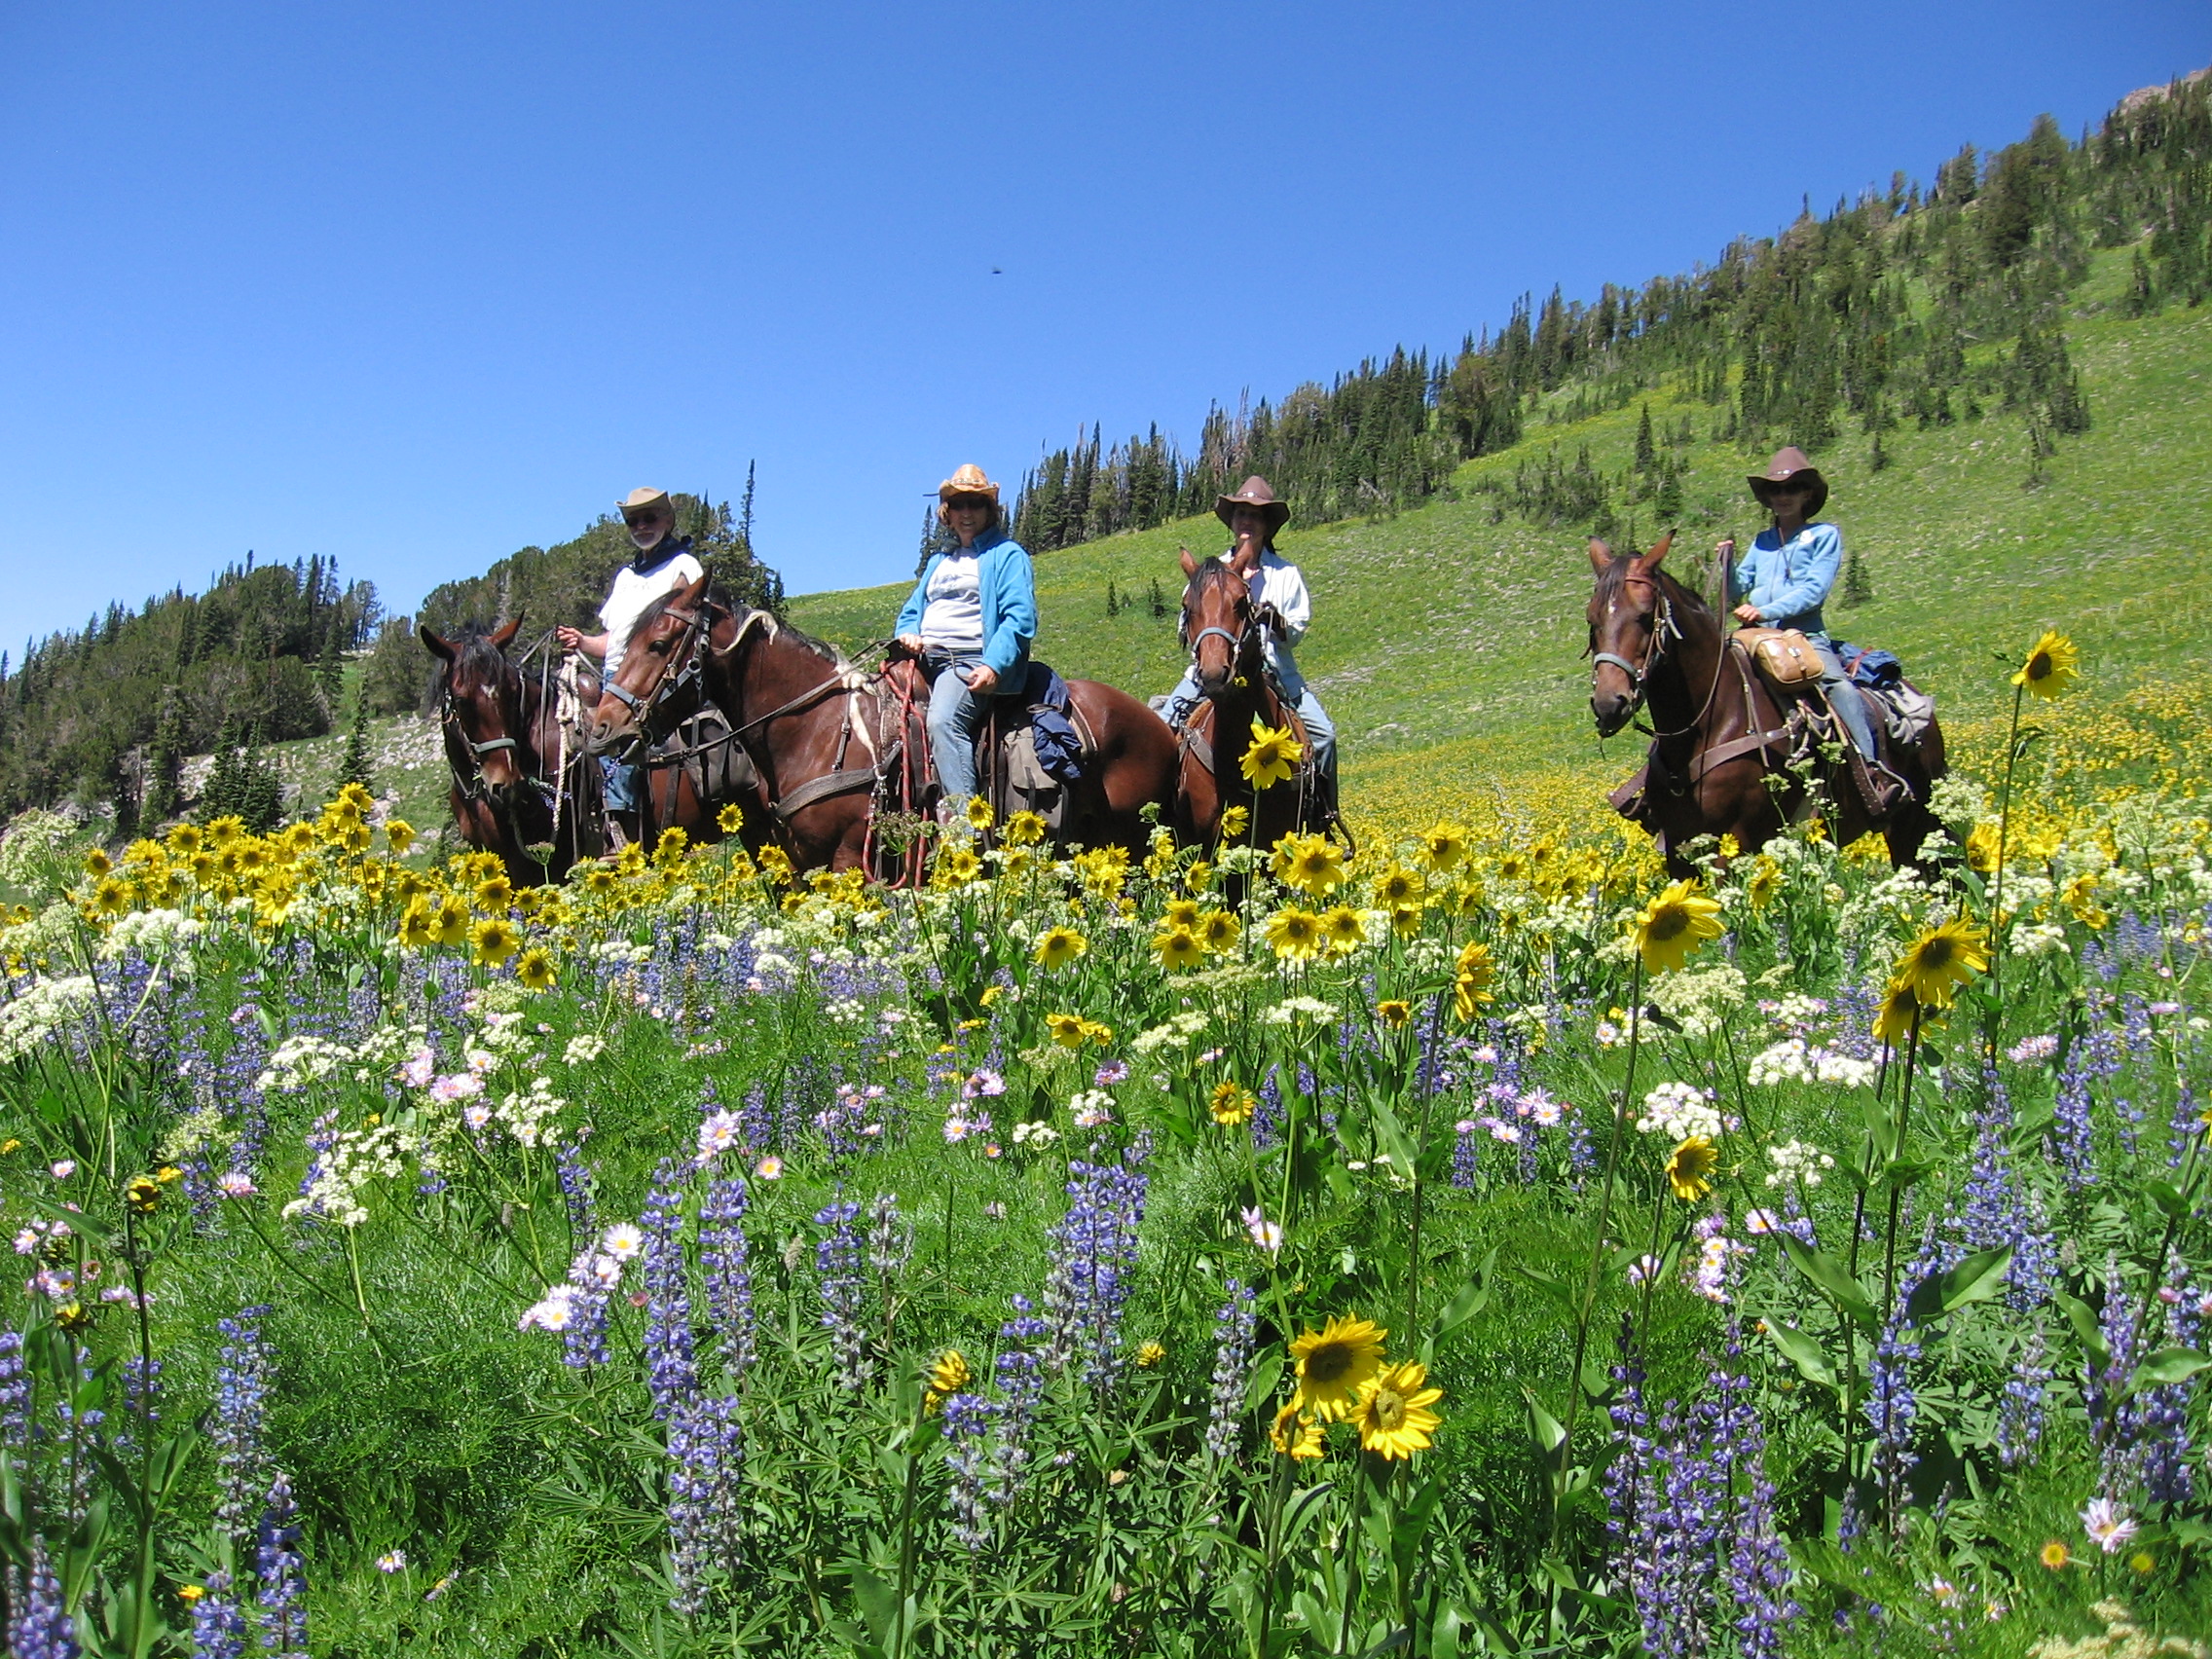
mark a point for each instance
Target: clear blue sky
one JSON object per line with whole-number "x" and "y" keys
{"x": 416, "y": 286}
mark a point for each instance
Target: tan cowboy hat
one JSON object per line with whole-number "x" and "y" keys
{"x": 1790, "y": 463}
{"x": 643, "y": 499}
{"x": 1254, "y": 492}
{"x": 968, "y": 480}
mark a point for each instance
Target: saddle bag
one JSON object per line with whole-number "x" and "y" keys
{"x": 1786, "y": 659}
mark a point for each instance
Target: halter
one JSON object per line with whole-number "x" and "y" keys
{"x": 1664, "y": 628}
{"x": 1234, "y": 642}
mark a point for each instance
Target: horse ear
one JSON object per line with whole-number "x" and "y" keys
{"x": 1190, "y": 564}
{"x": 1646, "y": 563}
{"x": 503, "y": 636}
{"x": 1600, "y": 556}
{"x": 437, "y": 647}
{"x": 697, "y": 591}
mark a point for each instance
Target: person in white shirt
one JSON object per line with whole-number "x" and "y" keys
{"x": 1282, "y": 607}
{"x": 663, "y": 562}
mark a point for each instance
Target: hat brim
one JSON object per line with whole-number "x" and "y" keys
{"x": 1819, "y": 498}
{"x": 1277, "y": 512}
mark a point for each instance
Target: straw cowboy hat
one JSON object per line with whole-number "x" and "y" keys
{"x": 1788, "y": 464}
{"x": 645, "y": 501}
{"x": 968, "y": 480}
{"x": 1254, "y": 492}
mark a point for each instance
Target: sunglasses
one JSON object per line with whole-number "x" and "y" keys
{"x": 1789, "y": 489}
{"x": 970, "y": 503}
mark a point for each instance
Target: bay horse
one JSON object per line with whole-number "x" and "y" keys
{"x": 1227, "y": 642}
{"x": 502, "y": 730}
{"x": 1719, "y": 763}
{"x": 817, "y": 728}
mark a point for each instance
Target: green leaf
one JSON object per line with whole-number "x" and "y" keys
{"x": 2168, "y": 1365}
{"x": 1980, "y": 1276}
{"x": 2168, "y": 1197}
{"x": 1832, "y": 1276}
{"x": 1471, "y": 1299}
{"x": 1546, "y": 1430}
{"x": 2084, "y": 1318}
{"x": 878, "y": 1600}
{"x": 1801, "y": 1350}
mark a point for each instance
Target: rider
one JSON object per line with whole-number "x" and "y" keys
{"x": 969, "y": 621}
{"x": 1782, "y": 583}
{"x": 661, "y": 565}
{"x": 1283, "y": 606}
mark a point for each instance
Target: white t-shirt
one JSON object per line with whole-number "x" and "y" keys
{"x": 953, "y": 618}
{"x": 632, "y": 593}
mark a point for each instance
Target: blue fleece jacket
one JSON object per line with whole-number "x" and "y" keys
{"x": 1788, "y": 581}
{"x": 1006, "y": 591}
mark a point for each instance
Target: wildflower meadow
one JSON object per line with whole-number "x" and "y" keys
{"x": 1480, "y": 1244}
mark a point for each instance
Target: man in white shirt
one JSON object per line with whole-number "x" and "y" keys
{"x": 662, "y": 564}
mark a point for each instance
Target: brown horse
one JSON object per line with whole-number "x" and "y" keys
{"x": 502, "y": 741}
{"x": 1719, "y": 734}
{"x": 1228, "y": 657}
{"x": 818, "y": 729}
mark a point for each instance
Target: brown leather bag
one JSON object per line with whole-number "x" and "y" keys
{"x": 1785, "y": 658}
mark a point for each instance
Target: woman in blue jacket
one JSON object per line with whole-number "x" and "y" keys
{"x": 1784, "y": 581}
{"x": 969, "y": 620}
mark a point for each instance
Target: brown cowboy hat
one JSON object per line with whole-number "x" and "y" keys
{"x": 967, "y": 480}
{"x": 1254, "y": 492}
{"x": 1793, "y": 464}
{"x": 645, "y": 499}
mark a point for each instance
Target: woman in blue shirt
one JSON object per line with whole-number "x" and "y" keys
{"x": 1784, "y": 581}
{"x": 969, "y": 621}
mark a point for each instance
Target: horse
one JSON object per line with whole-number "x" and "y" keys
{"x": 821, "y": 733}
{"x": 1721, "y": 746}
{"x": 501, "y": 730}
{"x": 1228, "y": 656}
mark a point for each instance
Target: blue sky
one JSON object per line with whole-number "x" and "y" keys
{"x": 416, "y": 286}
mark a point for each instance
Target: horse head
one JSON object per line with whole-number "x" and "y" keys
{"x": 661, "y": 649}
{"x": 1217, "y": 626}
{"x": 480, "y": 709}
{"x": 1631, "y": 622}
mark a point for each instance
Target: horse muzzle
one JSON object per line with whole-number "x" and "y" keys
{"x": 1611, "y": 713}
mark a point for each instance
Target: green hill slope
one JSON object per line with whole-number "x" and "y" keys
{"x": 1447, "y": 640}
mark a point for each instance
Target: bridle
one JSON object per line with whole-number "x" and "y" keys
{"x": 473, "y": 784}
{"x": 1664, "y": 629}
{"x": 1237, "y": 642}
{"x": 675, "y": 697}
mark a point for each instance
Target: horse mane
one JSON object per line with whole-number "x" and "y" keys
{"x": 1688, "y": 603}
{"x": 782, "y": 630}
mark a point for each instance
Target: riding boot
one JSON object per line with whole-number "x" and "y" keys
{"x": 1881, "y": 788}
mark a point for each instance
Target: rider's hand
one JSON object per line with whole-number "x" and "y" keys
{"x": 1272, "y": 619}
{"x": 1725, "y": 547}
{"x": 1747, "y": 614}
{"x": 910, "y": 643}
{"x": 570, "y": 637}
{"x": 984, "y": 680}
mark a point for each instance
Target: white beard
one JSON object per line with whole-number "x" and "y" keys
{"x": 647, "y": 543}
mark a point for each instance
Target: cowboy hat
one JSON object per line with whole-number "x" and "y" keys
{"x": 968, "y": 480}
{"x": 643, "y": 499}
{"x": 1254, "y": 492}
{"x": 1793, "y": 464}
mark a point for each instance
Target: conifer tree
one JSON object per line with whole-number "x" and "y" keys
{"x": 1858, "y": 586}
{"x": 164, "y": 762}
{"x": 353, "y": 767}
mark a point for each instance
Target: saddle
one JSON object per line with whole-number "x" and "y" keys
{"x": 1035, "y": 748}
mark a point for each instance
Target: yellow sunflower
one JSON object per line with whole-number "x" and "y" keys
{"x": 1342, "y": 927}
{"x": 1234, "y": 821}
{"x": 418, "y": 930}
{"x": 1471, "y": 977}
{"x": 730, "y": 819}
{"x": 449, "y": 923}
{"x": 1180, "y": 913}
{"x": 495, "y": 940}
{"x": 1444, "y": 846}
{"x": 97, "y": 862}
{"x": 1942, "y": 958}
{"x": 1056, "y": 947}
{"x": 1230, "y": 1105}
{"x": 2055, "y": 663}
{"x": 1689, "y": 1169}
{"x": 535, "y": 970}
{"x": 496, "y": 895}
{"x": 1393, "y": 1013}
{"x": 978, "y": 813}
{"x": 1216, "y": 930}
{"x": 1067, "y": 1029}
{"x": 1397, "y": 886}
{"x": 1333, "y": 1362}
{"x": 1674, "y": 925}
{"x": 1177, "y": 948}
{"x": 1314, "y": 864}
{"x": 1899, "y": 1012}
{"x": 1295, "y": 933}
{"x": 950, "y": 1373}
{"x": 1025, "y": 829}
{"x": 1393, "y": 1416}
{"x": 1294, "y": 1435}
{"x": 1150, "y": 1354}
{"x": 1271, "y": 755}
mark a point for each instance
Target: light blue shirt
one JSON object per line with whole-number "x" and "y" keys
{"x": 1788, "y": 582}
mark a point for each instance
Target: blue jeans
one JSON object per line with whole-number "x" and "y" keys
{"x": 1843, "y": 696}
{"x": 1319, "y": 726}
{"x": 956, "y": 718}
{"x": 623, "y": 778}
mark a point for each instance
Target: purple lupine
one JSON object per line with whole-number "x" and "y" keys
{"x": 1235, "y": 1325}
{"x": 1093, "y": 1253}
{"x": 1995, "y": 1212}
{"x": 578, "y": 1192}
{"x": 276, "y": 1564}
{"x": 141, "y": 1401}
{"x": 1467, "y": 1152}
{"x": 15, "y": 1394}
{"x": 705, "y": 1453}
{"x": 844, "y": 1287}
{"x": 2167, "y": 1473}
{"x": 242, "y": 1469}
{"x": 1267, "y": 1116}
{"x": 218, "y": 1626}
{"x": 1759, "y": 1559}
{"x": 967, "y": 1422}
{"x": 756, "y": 1126}
{"x": 726, "y": 1271}
{"x": 42, "y": 1627}
{"x": 2185, "y": 1126}
{"x": 1892, "y": 1407}
{"x": 2021, "y": 1412}
{"x": 2115, "y": 1419}
{"x": 1631, "y": 1463}
{"x": 1021, "y": 1388}
{"x": 671, "y": 1372}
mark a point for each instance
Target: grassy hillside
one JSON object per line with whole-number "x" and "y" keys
{"x": 1447, "y": 640}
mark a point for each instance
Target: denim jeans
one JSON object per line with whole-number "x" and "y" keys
{"x": 623, "y": 778}
{"x": 956, "y": 718}
{"x": 1843, "y": 696}
{"x": 1319, "y": 726}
